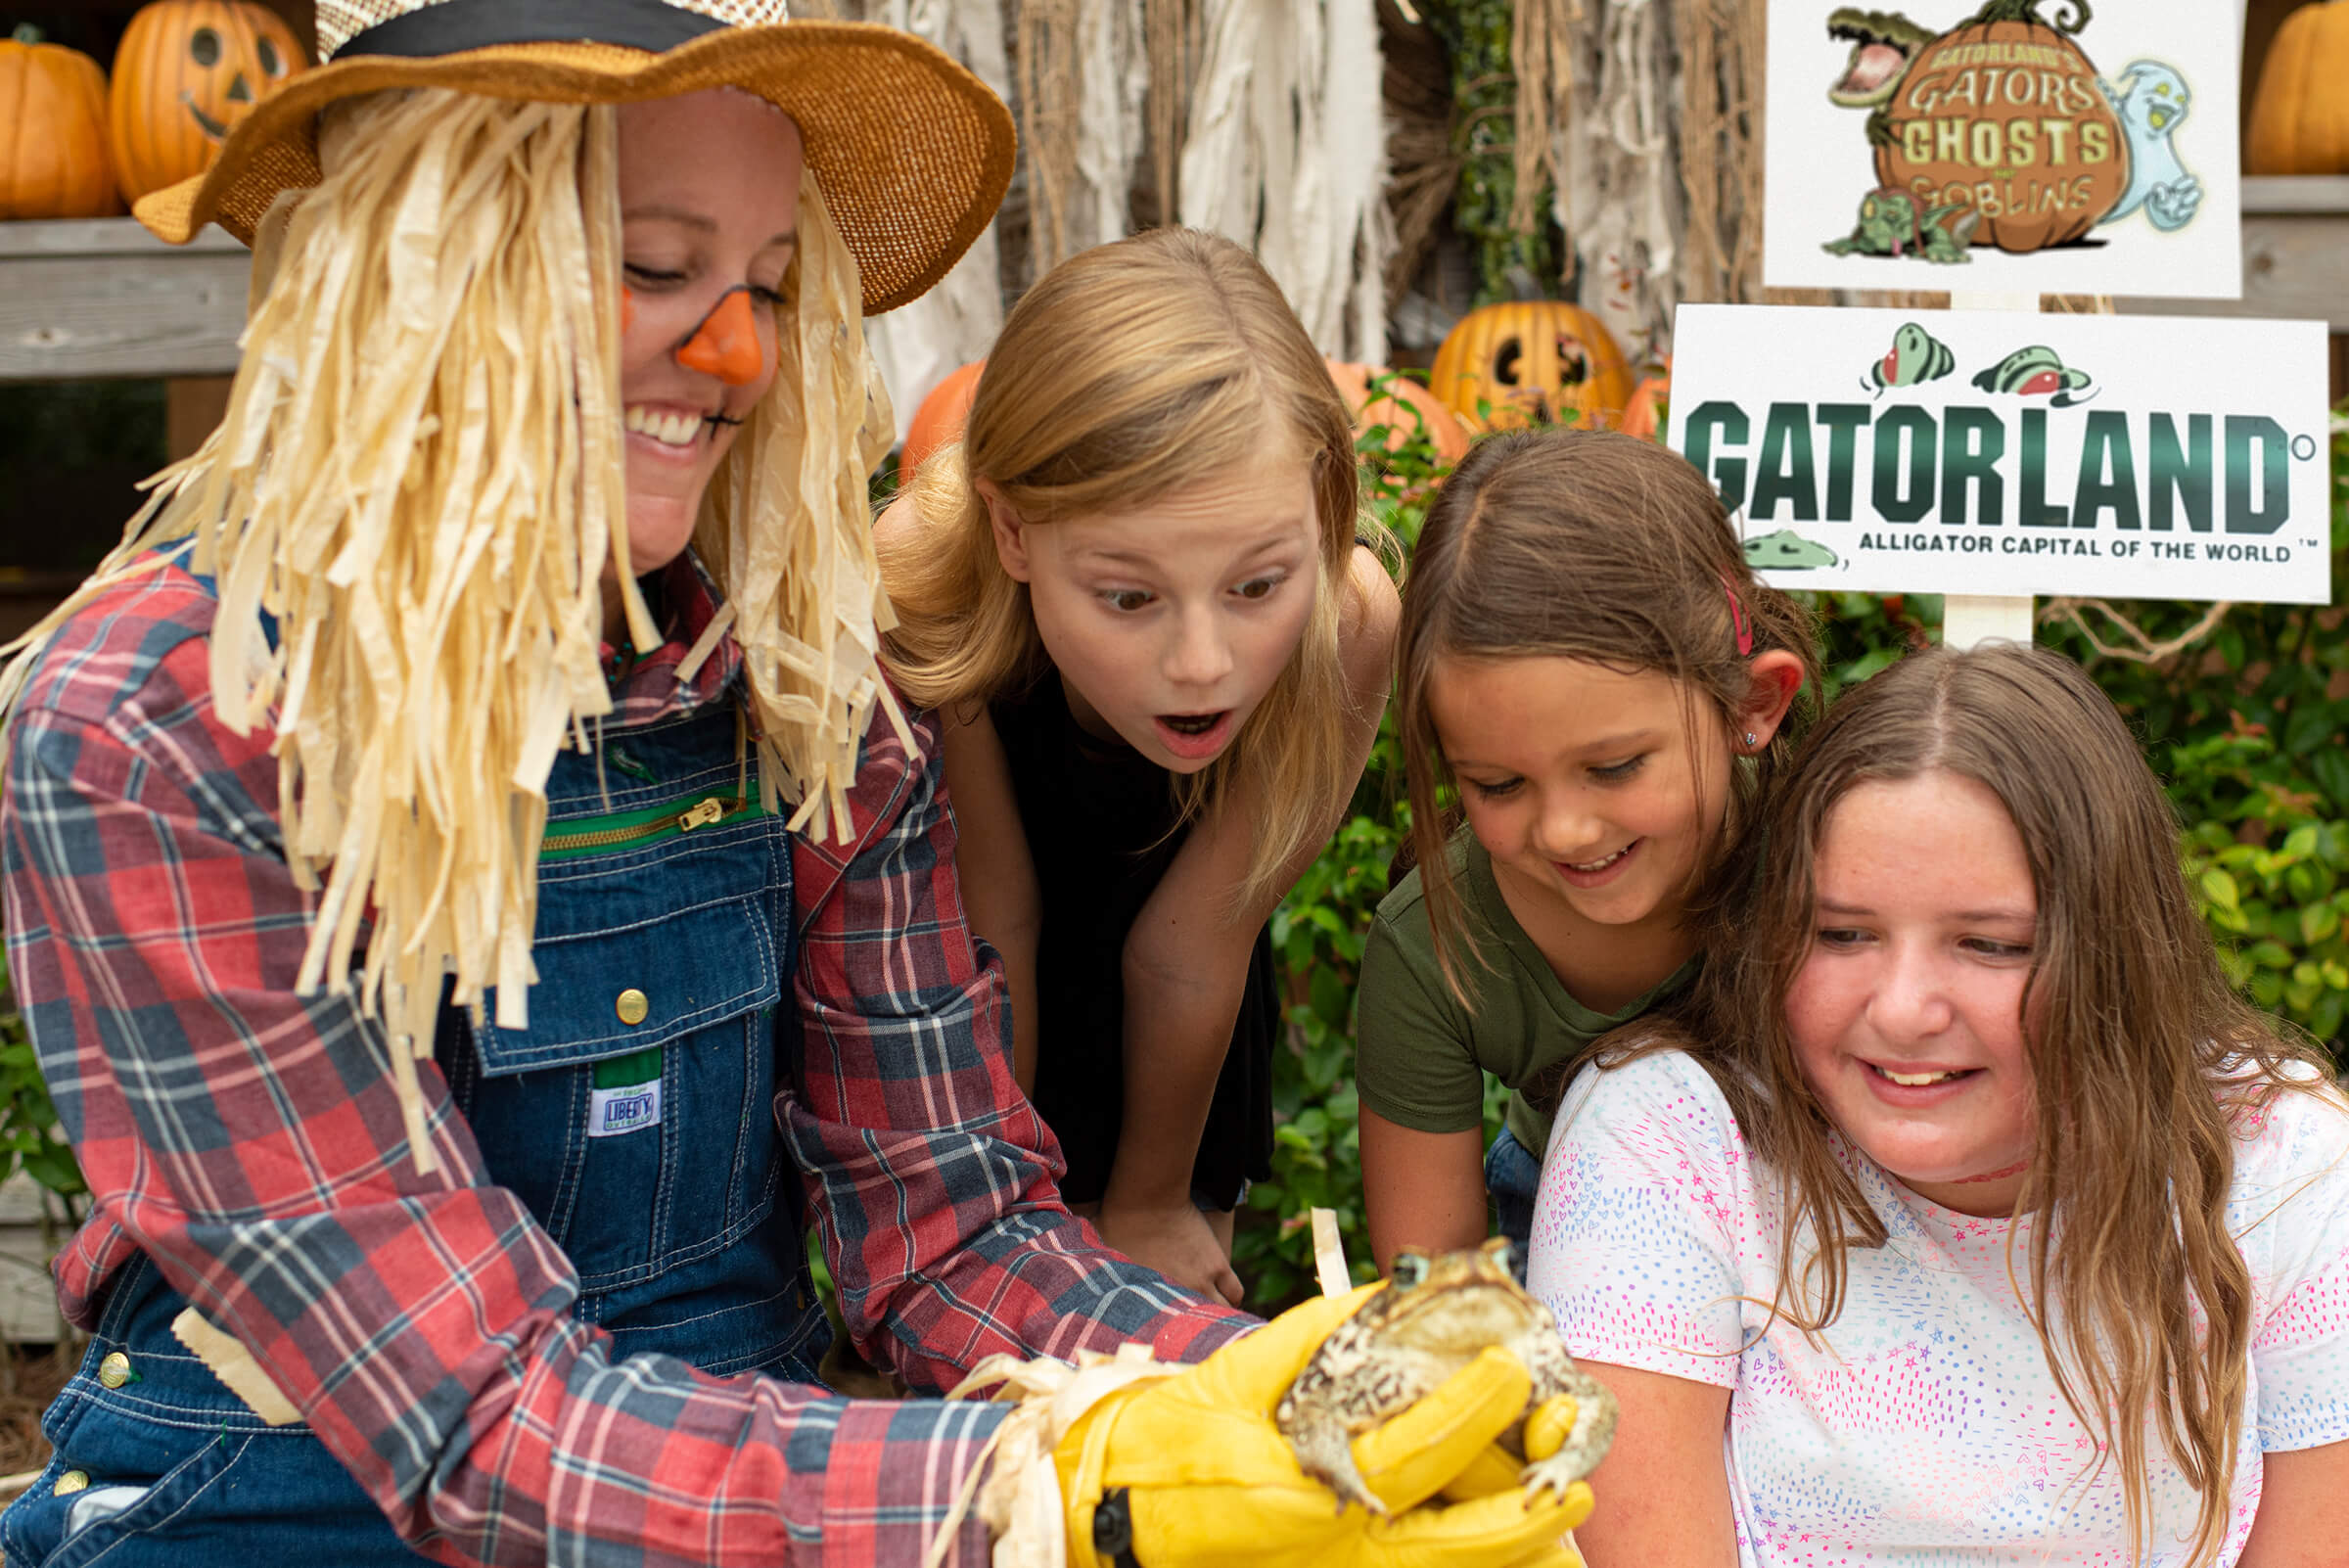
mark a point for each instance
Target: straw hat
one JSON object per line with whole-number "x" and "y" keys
{"x": 912, "y": 152}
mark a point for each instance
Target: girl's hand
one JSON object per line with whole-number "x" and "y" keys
{"x": 1175, "y": 1241}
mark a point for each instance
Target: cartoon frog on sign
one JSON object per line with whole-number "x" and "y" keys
{"x": 1891, "y": 224}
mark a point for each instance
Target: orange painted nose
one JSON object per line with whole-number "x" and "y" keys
{"x": 726, "y": 342}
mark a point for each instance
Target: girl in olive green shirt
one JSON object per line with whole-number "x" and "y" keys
{"x": 1587, "y": 659}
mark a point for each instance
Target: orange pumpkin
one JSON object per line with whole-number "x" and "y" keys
{"x": 186, "y": 72}
{"x": 53, "y": 158}
{"x": 2003, "y": 113}
{"x": 1401, "y": 408}
{"x": 2300, "y": 115}
{"x": 1643, "y": 415}
{"x": 1532, "y": 361}
{"x": 940, "y": 419}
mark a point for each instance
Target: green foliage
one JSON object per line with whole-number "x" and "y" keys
{"x": 29, "y": 1139}
{"x": 1510, "y": 263}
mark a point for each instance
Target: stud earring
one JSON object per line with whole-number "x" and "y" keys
{"x": 1750, "y": 740}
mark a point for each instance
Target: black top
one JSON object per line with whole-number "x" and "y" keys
{"x": 1100, "y": 820}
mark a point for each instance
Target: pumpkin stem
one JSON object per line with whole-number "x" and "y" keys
{"x": 26, "y": 33}
{"x": 2075, "y": 16}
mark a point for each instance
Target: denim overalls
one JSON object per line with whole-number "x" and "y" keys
{"x": 636, "y": 1117}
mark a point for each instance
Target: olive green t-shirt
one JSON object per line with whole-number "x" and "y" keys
{"x": 1420, "y": 1057}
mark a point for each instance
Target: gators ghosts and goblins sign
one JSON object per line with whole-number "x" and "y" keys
{"x": 2045, "y": 146}
{"x": 1989, "y": 452}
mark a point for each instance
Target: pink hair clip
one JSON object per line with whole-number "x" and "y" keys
{"x": 1743, "y": 627}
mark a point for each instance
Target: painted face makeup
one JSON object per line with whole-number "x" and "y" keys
{"x": 709, "y": 196}
{"x": 1169, "y": 622}
{"x": 1580, "y": 783}
{"x": 1906, "y": 1017}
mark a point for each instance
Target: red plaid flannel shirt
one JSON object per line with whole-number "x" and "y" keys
{"x": 246, "y": 1140}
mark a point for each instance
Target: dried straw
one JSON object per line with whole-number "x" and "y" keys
{"x": 1051, "y": 97}
{"x": 1542, "y": 49}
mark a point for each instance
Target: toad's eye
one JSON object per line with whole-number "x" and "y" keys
{"x": 1411, "y": 1267}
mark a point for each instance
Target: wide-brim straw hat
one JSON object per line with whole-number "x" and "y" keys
{"x": 912, "y": 152}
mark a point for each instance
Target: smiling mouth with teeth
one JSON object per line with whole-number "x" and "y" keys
{"x": 1921, "y": 1079}
{"x": 1600, "y": 864}
{"x": 675, "y": 430}
{"x": 1190, "y": 723}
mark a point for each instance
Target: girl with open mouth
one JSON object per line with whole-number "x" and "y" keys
{"x": 1134, "y": 592}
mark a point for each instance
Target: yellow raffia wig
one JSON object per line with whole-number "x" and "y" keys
{"x": 411, "y": 509}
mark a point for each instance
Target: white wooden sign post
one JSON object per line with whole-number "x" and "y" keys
{"x": 1969, "y": 619}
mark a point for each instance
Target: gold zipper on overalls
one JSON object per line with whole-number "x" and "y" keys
{"x": 635, "y": 827}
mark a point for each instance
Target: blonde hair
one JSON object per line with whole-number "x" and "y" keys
{"x": 410, "y": 508}
{"x": 1599, "y": 547}
{"x": 2141, "y": 1056}
{"x": 1130, "y": 372}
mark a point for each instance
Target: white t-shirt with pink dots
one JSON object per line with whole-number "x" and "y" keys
{"x": 1924, "y": 1429}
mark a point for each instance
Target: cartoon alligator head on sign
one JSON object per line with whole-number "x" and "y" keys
{"x": 1786, "y": 551}
{"x": 2037, "y": 372}
{"x": 1883, "y": 43}
{"x": 1916, "y": 355}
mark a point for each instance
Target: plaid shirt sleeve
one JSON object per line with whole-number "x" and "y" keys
{"x": 248, "y": 1140}
{"x": 933, "y": 1179}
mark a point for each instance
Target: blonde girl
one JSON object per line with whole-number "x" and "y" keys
{"x": 1584, "y": 657}
{"x": 1970, "y": 1206}
{"x": 1135, "y": 596}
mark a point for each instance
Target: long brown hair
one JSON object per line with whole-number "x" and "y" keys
{"x": 1130, "y": 372}
{"x": 2140, "y": 1054}
{"x": 1594, "y": 546}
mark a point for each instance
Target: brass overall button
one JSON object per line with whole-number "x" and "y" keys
{"x": 114, "y": 1370}
{"x": 70, "y": 1482}
{"x": 632, "y": 1006}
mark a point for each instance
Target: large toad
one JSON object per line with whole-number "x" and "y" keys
{"x": 1431, "y": 1321}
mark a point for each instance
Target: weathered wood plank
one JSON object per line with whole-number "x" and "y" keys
{"x": 2295, "y": 266}
{"x": 116, "y": 235}
{"x": 69, "y": 317}
{"x": 2296, "y": 193}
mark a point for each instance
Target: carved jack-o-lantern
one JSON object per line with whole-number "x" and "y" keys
{"x": 1532, "y": 361}
{"x": 186, "y": 72}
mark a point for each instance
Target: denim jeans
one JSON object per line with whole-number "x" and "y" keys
{"x": 1513, "y": 1176}
{"x": 639, "y": 1130}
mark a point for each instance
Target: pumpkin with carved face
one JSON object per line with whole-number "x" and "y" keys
{"x": 1532, "y": 361}
{"x": 186, "y": 72}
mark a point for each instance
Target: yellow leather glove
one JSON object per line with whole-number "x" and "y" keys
{"x": 1205, "y": 1478}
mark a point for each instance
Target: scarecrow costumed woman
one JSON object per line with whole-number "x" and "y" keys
{"x": 474, "y": 896}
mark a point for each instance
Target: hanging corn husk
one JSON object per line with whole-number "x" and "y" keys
{"x": 1286, "y": 153}
{"x": 1621, "y": 204}
{"x": 919, "y": 345}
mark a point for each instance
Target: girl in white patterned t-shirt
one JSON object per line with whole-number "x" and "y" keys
{"x": 1981, "y": 1222}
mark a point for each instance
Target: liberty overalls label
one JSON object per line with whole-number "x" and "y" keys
{"x": 626, "y": 1096}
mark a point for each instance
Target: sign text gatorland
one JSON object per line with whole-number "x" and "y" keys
{"x": 1986, "y": 453}
{"x": 2003, "y": 149}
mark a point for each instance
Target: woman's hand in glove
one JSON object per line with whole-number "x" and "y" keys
{"x": 1190, "y": 1470}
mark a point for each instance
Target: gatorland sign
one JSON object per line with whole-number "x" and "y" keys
{"x": 2003, "y": 150}
{"x": 1989, "y": 452}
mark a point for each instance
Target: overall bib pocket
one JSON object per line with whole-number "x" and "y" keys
{"x": 633, "y": 1115}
